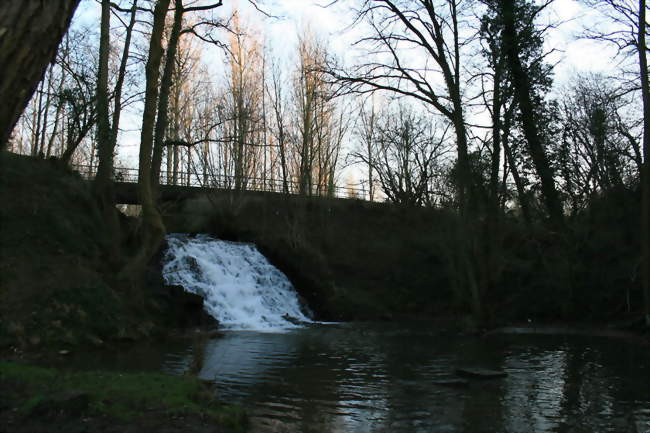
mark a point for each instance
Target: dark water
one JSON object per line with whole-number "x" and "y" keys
{"x": 380, "y": 378}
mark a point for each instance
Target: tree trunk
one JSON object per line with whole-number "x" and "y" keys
{"x": 37, "y": 126}
{"x": 103, "y": 183}
{"x": 117, "y": 111}
{"x": 153, "y": 228}
{"x": 57, "y": 117}
{"x": 523, "y": 95}
{"x": 645, "y": 174}
{"x": 163, "y": 103}
{"x": 519, "y": 184}
{"x": 496, "y": 142}
{"x": 46, "y": 112}
{"x": 74, "y": 142}
{"x": 30, "y": 32}
{"x": 105, "y": 150}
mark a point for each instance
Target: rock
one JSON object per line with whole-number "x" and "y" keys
{"x": 452, "y": 383}
{"x": 480, "y": 373}
{"x": 215, "y": 334}
{"x": 295, "y": 320}
{"x": 186, "y": 308}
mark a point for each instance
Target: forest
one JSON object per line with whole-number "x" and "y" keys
{"x": 428, "y": 159}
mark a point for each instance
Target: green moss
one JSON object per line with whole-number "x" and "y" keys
{"x": 124, "y": 396}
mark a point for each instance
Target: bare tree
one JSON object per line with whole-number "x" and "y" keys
{"x": 319, "y": 127}
{"x": 405, "y": 152}
{"x": 280, "y": 128}
{"x": 432, "y": 29}
{"x": 243, "y": 102}
{"x": 366, "y": 132}
{"x": 627, "y": 30}
{"x": 642, "y": 49}
{"x": 79, "y": 95}
{"x": 165, "y": 87}
{"x": 191, "y": 108}
{"x": 595, "y": 154}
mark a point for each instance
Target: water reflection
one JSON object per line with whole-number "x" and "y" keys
{"x": 380, "y": 378}
{"x": 534, "y": 390}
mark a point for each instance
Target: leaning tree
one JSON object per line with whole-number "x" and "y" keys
{"x": 30, "y": 32}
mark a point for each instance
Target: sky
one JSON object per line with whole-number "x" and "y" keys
{"x": 572, "y": 54}
{"x": 289, "y": 16}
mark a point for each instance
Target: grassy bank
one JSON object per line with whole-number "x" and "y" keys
{"x": 44, "y": 399}
{"x": 53, "y": 282}
{"x": 57, "y": 285}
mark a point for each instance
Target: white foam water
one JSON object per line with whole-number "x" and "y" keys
{"x": 241, "y": 289}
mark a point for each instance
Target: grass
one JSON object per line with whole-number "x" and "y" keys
{"x": 126, "y": 397}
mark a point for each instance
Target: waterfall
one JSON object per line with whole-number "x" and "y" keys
{"x": 240, "y": 288}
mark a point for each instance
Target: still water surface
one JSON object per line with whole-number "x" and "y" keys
{"x": 357, "y": 378}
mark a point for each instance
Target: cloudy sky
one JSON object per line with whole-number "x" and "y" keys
{"x": 331, "y": 23}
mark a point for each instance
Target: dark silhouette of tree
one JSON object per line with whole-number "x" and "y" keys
{"x": 595, "y": 153}
{"x": 405, "y": 152}
{"x": 627, "y": 30}
{"x": 499, "y": 97}
{"x": 153, "y": 229}
{"x": 30, "y": 32}
{"x": 515, "y": 31}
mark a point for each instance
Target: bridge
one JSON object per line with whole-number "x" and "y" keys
{"x": 180, "y": 185}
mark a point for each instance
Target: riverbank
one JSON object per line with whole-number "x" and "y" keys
{"x": 36, "y": 399}
{"x": 349, "y": 260}
{"x": 59, "y": 280}
{"x": 356, "y": 260}
{"x": 61, "y": 295}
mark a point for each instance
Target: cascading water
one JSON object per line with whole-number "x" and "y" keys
{"x": 241, "y": 289}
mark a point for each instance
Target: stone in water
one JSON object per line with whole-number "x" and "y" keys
{"x": 480, "y": 373}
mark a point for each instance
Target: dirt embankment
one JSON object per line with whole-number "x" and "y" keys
{"x": 57, "y": 285}
{"x": 60, "y": 294}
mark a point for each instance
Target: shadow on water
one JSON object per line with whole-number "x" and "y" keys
{"x": 380, "y": 378}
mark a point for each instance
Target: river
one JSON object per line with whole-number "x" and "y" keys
{"x": 357, "y": 378}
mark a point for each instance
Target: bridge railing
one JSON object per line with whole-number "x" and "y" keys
{"x": 208, "y": 180}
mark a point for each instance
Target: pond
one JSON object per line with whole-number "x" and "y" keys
{"x": 382, "y": 378}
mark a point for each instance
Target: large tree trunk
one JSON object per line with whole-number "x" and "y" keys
{"x": 72, "y": 142}
{"x": 105, "y": 149}
{"x": 153, "y": 228}
{"x": 519, "y": 184}
{"x": 645, "y": 174}
{"x": 163, "y": 103}
{"x": 495, "y": 200}
{"x": 531, "y": 132}
{"x": 30, "y": 32}
{"x": 103, "y": 184}
{"x": 106, "y": 133}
